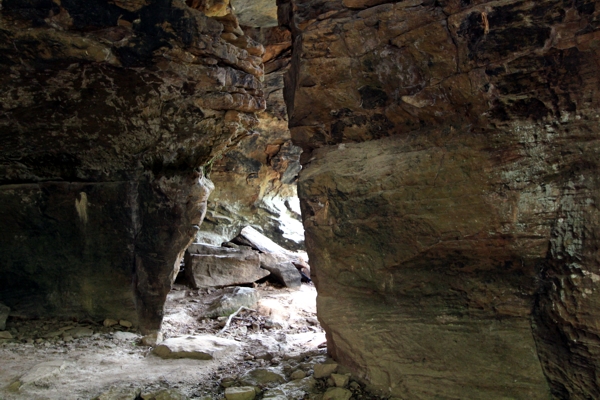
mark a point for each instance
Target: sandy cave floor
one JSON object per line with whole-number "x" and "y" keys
{"x": 284, "y": 327}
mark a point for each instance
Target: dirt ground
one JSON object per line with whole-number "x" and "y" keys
{"x": 58, "y": 359}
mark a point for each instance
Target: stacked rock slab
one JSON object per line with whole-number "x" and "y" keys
{"x": 450, "y": 191}
{"x": 109, "y": 113}
{"x": 208, "y": 266}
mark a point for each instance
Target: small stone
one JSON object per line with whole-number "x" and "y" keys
{"x": 298, "y": 374}
{"x": 337, "y": 394}
{"x": 240, "y": 393}
{"x": 68, "y": 338}
{"x": 201, "y": 347}
{"x": 14, "y": 387}
{"x": 51, "y": 334}
{"x": 39, "y": 340}
{"x": 275, "y": 360}
{"x": 324, "y": 370}
{"x": 110, "y": 322}
{"x": 227, "y": 382}
{"x": 5, "y": 335}
{"x": 124, "y": 323}
{"x": 248, "y": 357}
{"x": 262, "y": 377}
{"x": 124, "y": 336}
{"x": 340, "y": 380}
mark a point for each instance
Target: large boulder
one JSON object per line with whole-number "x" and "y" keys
{"x": 207, "y": 266}
{"x": 449, "y": 191}
{"x": 200, "y": 347}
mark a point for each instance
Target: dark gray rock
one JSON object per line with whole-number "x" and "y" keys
{"x": 231, "y": 301}
{"x": 207, "y": 265}
{"x": 281, "y": 268}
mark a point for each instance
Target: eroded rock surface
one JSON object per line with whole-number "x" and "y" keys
{"x": 109, "y": 112}
{"x": 449, "y": 191}
{"x": 256, "y": 182}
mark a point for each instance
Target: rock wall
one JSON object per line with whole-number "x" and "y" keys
{"x": 449, "y": 191}
{"x": 256, "y": 181}
{"x": 110, "y": 111}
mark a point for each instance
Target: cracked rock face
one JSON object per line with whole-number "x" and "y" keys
{"x": 449, "y": 191}
{"x": 108, "y": 113}
{"x": 256, "y": 182}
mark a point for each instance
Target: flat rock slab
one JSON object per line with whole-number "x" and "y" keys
{"x": 4, "y": 311}
{"x": 201, "y": 347}
{"x": 240, "y": 393}
{"x": 208, "y": 266}
{"x": 43, "y": 373}
{"x": 231, "y": 301}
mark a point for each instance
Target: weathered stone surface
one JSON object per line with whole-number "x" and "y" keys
{"x": 231, "y": 301}
{"x": 337, "y": 394}
{"x": 274, "y": 258}
{"x": 201, "y": 347}
{"x": 324, "y": 370}
{"x": 109, "y": 113}
{"x": 165, "y": 394}
{"x": 449, "y": 191}
{"x": 119, "y": 393}
{"x": 256, "y": 13}
{"x": 256, "y": 182}
{"x": 262, "y": 377}
{"x": 207, "y": 265}
{"x": 240, "y": 393}
{"x": 281, "y": 268}
{"x": 4, "y": 311}
{"x": 5, "y": 335}
{"x": 43, "y": 373}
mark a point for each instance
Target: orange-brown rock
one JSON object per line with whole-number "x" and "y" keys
{"x": 449, "y": 191}
{"x": 256, "y": 181}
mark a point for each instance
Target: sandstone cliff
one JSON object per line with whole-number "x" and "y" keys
{"x": 450, "y": 189}
{"x": 109, "y": 113}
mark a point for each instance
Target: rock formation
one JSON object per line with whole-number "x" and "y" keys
{"x": 449, "y": 191}
{"x": 255, "y": 183}
{"x": 449, "y": 188}
{"x": 110, "y": 112}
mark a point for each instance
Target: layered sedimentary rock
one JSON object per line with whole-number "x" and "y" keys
{"x": 256, "y": 181}
{"x": 110, "y": 110}
{"x": 449, "y": 191}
